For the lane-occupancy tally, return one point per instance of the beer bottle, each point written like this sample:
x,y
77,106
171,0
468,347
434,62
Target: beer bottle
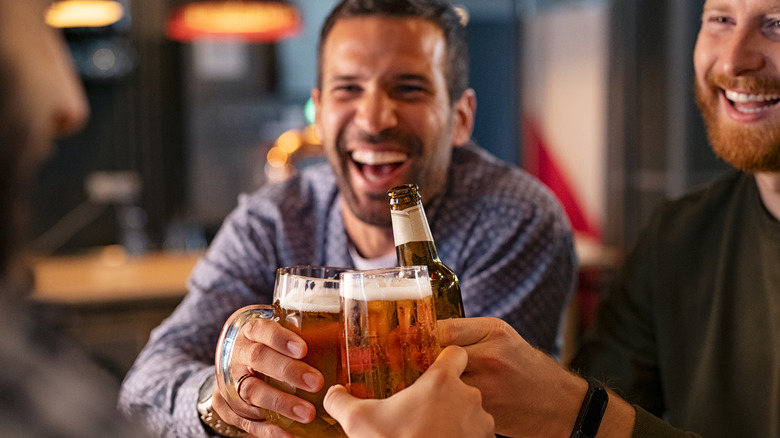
x,y
414,246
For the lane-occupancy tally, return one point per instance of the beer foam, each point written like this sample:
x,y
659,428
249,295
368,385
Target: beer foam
x,y
311,300
385,289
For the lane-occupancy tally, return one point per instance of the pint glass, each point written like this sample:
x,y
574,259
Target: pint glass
x,y
306,301
388,329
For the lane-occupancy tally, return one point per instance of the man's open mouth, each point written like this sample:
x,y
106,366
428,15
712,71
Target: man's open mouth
x,y
751,103
375,165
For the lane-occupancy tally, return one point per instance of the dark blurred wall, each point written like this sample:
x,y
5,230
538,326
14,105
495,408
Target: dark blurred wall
x,y
657,143
133,83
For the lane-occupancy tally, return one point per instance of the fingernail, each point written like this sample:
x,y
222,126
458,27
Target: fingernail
x,y
304,413
294,348
312,381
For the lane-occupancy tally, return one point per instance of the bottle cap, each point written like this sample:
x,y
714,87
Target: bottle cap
x,y
404,194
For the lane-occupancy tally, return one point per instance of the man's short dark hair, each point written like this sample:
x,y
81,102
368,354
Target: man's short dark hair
x,y
439,12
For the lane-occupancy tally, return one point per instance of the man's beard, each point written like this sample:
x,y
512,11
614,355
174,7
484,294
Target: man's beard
x,y
378,217
749,148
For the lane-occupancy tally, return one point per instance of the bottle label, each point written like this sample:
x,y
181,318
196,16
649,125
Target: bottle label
x,y
410,225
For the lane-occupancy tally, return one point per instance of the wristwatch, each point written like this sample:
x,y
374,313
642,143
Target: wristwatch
x,y
207,414
591,411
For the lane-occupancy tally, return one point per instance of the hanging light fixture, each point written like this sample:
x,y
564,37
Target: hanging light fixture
x,y
84,13
248,20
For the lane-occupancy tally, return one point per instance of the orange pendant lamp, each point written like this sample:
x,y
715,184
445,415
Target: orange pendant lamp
x,y
262,21
84,13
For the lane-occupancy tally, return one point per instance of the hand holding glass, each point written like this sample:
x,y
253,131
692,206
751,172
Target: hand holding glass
x,y
306,301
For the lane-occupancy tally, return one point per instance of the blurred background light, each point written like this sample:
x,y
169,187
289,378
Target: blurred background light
x,y
248,20
84,13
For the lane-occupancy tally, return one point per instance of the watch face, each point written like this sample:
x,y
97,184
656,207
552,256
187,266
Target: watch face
x,y
207,389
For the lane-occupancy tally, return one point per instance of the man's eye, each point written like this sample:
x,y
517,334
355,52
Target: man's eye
x,y
721,20
347,89
410,90
715,19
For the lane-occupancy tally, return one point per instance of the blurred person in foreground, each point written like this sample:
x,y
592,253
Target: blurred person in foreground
x,y
691,329
393,107
48,387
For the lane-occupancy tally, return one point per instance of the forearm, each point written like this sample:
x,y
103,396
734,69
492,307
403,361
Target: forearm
x,y
160,391
567,398
618,421
161,395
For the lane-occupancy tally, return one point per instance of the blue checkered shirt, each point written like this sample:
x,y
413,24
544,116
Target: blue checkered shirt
x,y
501,231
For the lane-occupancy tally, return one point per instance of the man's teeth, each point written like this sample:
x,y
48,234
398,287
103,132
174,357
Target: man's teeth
x,y
373,158
745,98
751,103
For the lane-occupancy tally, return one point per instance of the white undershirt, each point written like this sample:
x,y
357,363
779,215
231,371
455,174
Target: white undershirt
x,y
385,261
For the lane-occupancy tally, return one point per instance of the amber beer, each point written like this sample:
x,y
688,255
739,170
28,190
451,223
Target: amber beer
x,y
389,329
311,308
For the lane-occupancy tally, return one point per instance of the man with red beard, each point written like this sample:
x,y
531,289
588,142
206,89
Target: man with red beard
x,y
393,107
691,330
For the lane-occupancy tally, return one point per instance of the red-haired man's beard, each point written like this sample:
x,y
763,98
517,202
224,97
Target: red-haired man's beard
x,y
752,147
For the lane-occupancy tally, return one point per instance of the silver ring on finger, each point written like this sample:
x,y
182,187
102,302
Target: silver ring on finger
x,y
238,385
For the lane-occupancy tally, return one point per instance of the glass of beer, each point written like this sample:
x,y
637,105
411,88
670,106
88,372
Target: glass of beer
x,y
388,329
306,301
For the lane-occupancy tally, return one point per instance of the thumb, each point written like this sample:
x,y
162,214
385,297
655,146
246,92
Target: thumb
x,y
338,400
453,359
465,331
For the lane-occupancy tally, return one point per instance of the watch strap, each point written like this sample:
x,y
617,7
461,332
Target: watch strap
x,y
592,410
209,417
212,420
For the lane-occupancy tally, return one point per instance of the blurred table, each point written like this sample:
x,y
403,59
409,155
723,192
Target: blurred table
x,y
109,275
109,301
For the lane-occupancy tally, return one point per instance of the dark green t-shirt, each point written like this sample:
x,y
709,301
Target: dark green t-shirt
x,y
691,329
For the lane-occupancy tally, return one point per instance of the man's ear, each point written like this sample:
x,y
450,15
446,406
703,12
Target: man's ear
x,y
465,110
315,99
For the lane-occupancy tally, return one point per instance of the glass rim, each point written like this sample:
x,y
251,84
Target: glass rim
x,y
306,271
377,271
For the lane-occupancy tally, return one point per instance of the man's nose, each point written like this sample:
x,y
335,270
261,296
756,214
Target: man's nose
x,y
71,114
70,107
745,52
376,112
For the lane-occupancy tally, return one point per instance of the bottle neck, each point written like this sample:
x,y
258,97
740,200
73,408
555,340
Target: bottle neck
x,y
410,225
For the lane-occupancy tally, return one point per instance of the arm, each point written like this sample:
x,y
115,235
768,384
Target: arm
x,y
515,258
438,404
161,389
527,392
